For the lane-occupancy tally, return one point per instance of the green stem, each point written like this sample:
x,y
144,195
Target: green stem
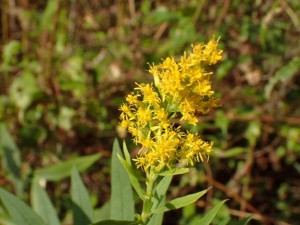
x,y
147,204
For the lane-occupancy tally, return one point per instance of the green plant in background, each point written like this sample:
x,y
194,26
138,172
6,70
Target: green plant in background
x,y
153,113
14,211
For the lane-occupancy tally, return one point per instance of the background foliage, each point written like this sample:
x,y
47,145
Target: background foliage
x,y
67,65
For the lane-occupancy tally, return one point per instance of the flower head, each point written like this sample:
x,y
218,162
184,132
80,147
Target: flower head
x,y
183,89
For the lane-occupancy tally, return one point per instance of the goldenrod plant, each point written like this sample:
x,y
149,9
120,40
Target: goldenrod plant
x,y
154,114
181,91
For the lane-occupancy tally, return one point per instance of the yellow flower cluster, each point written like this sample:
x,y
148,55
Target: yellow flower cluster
x,y
186,83
182,90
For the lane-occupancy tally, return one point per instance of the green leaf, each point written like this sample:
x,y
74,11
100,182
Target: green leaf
x,y
180,202
64,119
48,14
209,216
163,186
223,216
12,158
233,152
116,222
103,212
134,177
157,218
10,50
253,132
224,68
159,201
62,170
121,202
244,221
5,220
82,209
160,15
42,205
23,89
174,171
222,121
283,74
21,213
126,153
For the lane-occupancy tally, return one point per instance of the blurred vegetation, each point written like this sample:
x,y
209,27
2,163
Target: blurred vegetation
x,y
66,66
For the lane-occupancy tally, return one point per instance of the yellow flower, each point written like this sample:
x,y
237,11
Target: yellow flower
x,y
134,131
187,82
125,109
188,112
194,149
149,95
144,116
125,123
147,143
211,52
132,99
183,89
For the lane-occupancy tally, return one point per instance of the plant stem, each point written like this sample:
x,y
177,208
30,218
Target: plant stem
x,y
147,204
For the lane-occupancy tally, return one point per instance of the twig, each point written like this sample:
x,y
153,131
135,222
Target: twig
x,y
132,12
198,11
209,174
253,216
72,18
263,118
240,200
221,17
4,21
160,30
289,11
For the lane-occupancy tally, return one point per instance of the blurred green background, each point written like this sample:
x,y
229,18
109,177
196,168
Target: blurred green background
x,y
66,66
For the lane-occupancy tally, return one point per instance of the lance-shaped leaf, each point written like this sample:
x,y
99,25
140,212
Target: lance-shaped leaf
x,y
42,205
210,215
63,169
244,221
21,213
126,153
159,199
103,212
82,209
180,202
174,171
121,201
133,176
284,74
12,158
